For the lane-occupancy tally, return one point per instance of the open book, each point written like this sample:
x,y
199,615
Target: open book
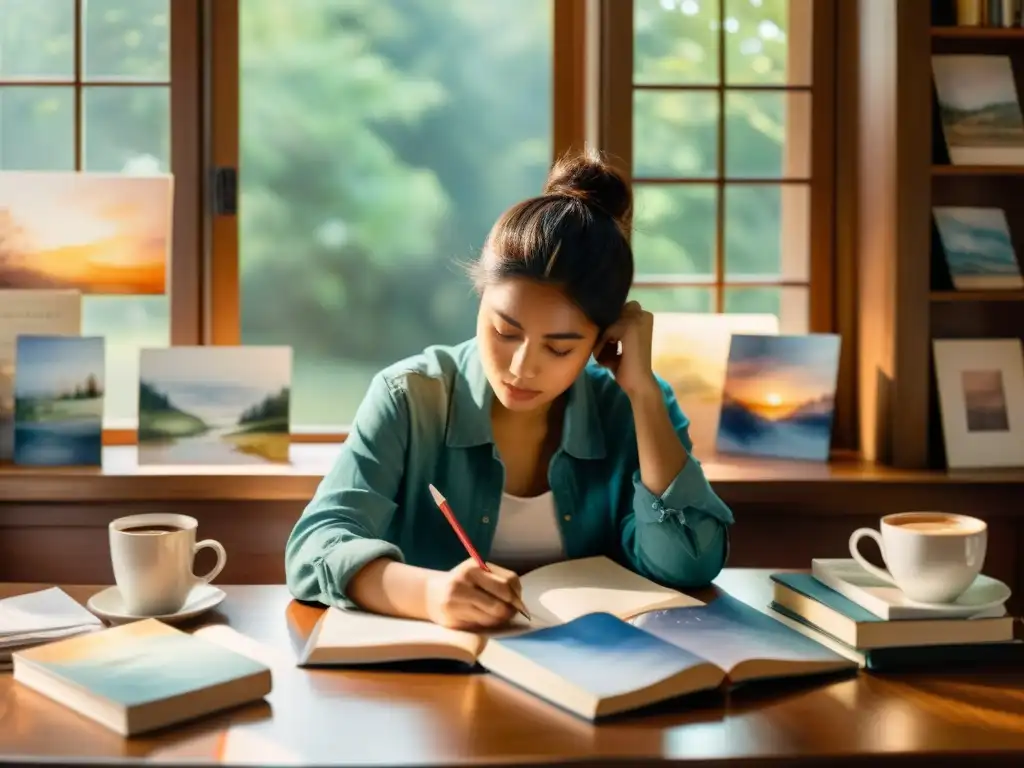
x,y
603,640
553,595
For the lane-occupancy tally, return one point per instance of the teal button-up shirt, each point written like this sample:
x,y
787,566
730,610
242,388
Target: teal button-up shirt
x,y
427,419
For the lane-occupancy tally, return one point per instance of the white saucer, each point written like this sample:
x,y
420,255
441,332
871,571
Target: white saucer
x,y
109,606
984,594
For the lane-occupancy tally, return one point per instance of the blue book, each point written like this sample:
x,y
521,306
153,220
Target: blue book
x,y
599,665
141,676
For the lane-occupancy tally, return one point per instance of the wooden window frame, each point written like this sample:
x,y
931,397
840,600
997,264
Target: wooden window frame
x,y
186,140
611,129
592,106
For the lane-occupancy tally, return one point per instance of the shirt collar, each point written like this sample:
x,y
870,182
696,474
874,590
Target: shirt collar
x,y
469,418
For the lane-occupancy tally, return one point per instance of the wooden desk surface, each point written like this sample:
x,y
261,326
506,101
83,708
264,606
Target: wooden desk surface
x,y
364,718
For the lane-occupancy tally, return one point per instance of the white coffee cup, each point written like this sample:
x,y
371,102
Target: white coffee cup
x,y
933,557
152,556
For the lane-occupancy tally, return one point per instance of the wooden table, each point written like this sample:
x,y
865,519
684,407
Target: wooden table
x,y
376,718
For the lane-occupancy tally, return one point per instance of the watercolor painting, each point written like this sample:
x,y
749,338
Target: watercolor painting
x,y
29,313
978,248
600,654
97,233
58,401
214,405
985,401
979,110
741,640
980,385
779,396
690,352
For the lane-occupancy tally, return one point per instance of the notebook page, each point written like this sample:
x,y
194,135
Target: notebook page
x,y
41,611
564,591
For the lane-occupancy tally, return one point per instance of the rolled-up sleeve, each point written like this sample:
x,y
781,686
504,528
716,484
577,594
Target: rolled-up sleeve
x,y
681,537
343,526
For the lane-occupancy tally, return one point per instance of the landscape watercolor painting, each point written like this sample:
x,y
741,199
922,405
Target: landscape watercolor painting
x,y
690,351
215,405
979,110
978,248
97,233
58,401
779,396
985,401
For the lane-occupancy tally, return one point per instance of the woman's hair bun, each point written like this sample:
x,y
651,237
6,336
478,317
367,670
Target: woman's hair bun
x,y
587,177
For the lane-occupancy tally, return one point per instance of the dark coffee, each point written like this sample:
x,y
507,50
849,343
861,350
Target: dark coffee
x,y
151,529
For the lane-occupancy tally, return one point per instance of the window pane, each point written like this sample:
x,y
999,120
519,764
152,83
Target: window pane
x,y
37,39
676,42
789,304
126,39
767,232
767,135
658,299
129,323
378,147
674,229
126,128
37,129
768,42
675,134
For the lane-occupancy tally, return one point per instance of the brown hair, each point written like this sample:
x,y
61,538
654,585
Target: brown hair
x,y
573,235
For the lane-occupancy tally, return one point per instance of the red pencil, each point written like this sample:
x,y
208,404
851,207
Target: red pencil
x,y
442,504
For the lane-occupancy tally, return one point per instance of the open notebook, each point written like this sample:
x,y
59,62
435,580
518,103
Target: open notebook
x,y
553,595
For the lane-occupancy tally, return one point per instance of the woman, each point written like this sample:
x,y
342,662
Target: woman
x,y
543,453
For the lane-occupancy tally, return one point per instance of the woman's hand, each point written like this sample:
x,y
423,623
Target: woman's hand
x,y
625,349
468,597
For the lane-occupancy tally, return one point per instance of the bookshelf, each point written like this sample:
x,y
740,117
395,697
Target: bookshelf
x,y
905,296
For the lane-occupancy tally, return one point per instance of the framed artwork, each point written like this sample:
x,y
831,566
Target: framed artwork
x,y
215,405
978,247
690,352
981,399
779,396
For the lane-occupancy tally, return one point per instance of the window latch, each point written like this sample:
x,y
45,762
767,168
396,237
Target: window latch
x,y
225,191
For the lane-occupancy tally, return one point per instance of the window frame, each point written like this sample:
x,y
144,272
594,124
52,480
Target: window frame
x,y
184,83
592,106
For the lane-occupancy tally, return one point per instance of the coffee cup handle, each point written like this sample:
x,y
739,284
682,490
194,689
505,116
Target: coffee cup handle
x,y
222,558
874,570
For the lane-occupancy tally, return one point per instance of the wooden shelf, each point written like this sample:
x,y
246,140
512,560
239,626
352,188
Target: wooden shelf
x,y
977,295
978,33
737,478
978,170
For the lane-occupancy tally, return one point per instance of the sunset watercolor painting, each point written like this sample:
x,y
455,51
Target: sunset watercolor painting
x,y
98,233
779,396
690,352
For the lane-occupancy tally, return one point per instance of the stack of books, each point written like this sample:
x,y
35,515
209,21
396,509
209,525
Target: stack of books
x,y
870,621
40,617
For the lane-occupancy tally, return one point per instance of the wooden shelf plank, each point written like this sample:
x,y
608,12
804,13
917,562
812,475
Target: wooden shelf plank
x,y
121,479
979,33
1013,295
978,170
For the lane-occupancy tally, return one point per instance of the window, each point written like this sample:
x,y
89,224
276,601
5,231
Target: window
x,y
86,86
726,172
378,142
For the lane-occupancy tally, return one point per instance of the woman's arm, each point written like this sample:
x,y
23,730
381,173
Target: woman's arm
x,y
343,527
674,527
660,449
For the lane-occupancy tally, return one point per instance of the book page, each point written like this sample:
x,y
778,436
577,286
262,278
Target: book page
x,y
342,633
561,592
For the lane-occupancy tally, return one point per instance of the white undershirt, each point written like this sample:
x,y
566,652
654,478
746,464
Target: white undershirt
x,y
527,535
